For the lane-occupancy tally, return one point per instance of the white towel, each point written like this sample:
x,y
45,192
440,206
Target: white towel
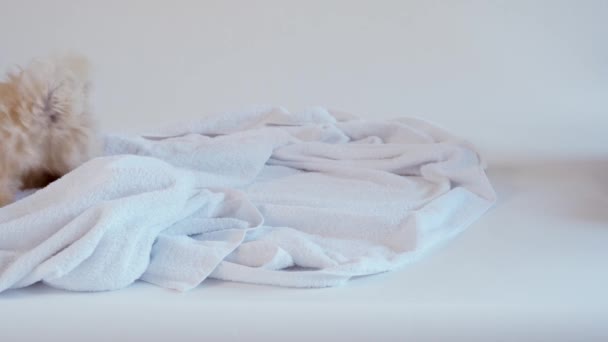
x,y
264,196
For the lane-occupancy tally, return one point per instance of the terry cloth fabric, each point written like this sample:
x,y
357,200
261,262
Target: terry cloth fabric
x,y
309,199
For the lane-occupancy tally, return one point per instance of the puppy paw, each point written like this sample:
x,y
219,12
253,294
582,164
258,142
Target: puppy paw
x,y
8,190
5,198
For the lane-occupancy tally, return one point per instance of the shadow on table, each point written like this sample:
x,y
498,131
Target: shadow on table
x,y
573,190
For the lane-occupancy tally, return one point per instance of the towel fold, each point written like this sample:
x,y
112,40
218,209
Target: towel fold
x,y
309,199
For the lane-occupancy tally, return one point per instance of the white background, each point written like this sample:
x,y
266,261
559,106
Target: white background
x,y
520,79
525,79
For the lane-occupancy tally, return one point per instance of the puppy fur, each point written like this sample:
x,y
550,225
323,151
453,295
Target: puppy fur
x,y
46,129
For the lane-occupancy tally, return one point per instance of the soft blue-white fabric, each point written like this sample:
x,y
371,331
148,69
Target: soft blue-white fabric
x,y
308,199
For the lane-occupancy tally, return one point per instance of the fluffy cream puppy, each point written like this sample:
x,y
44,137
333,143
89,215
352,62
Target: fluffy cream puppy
x,y
46,129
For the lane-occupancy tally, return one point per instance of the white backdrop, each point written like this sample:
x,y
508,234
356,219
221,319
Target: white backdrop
x,y
518,78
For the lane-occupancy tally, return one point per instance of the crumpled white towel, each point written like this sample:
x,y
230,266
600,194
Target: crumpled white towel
x,y
264,196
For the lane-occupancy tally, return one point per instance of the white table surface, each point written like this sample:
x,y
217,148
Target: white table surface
x,y
532,269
